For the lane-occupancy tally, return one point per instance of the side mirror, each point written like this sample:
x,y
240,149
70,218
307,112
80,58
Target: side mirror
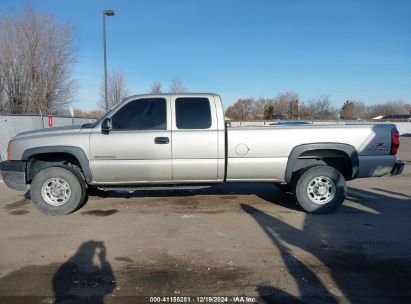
x,y
106,125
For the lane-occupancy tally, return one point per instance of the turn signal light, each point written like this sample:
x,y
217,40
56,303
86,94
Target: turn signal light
x,y
9,150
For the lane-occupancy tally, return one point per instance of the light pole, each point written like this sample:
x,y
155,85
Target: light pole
x,y
105,13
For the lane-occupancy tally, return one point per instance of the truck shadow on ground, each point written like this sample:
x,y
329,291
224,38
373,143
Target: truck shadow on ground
x,y
369,265
229,191
363,267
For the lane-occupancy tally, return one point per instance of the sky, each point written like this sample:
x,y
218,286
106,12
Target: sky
x,y
348,49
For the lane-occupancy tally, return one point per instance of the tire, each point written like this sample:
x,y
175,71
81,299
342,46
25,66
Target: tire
x,y
58,190
319,189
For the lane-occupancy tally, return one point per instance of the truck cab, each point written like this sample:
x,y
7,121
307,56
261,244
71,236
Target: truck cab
x,y
164,138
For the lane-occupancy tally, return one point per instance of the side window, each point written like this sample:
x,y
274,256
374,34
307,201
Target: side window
x,y
193,113
141,114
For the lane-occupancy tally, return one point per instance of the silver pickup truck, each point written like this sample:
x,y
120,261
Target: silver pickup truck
x,y
170,139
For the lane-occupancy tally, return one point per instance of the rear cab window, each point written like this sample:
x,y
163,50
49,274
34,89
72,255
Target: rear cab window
x,y
193,113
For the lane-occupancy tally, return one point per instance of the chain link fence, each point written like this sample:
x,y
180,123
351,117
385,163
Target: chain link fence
x,y
10,125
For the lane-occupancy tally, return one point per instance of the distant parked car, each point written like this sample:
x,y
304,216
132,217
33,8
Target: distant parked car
x,y
278,117
397,116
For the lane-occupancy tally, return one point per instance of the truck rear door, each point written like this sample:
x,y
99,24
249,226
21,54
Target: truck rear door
x,y
194,138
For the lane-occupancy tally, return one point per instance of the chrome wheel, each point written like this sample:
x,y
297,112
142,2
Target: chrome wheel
x,y
56,191
321,190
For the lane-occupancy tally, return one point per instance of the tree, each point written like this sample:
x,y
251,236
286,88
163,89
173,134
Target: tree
x,y
268,111
259,107
347,110
90,114
36,57
293,111
241,110
282,103
387,108
155,88
116,89
352,109
2,97
320,107
307,110
177,86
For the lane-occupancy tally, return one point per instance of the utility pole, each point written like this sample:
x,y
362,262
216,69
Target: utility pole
x,y
105,13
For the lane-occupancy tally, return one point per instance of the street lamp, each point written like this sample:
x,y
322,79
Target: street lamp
x,y
105,13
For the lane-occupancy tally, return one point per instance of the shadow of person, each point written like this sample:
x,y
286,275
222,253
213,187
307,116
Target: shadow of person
x,y
86,277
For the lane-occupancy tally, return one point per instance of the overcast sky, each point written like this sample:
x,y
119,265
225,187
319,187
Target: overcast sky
x,y
348,49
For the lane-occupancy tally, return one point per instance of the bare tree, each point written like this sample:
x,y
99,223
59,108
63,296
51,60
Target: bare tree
x,y
117,89
241,110
320,107
282,103
36,57
2,96
387,108
90,114
177,86
155,88
260,107
307,110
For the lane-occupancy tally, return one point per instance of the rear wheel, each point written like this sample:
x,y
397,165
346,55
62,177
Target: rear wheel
x,y
319,189
58,190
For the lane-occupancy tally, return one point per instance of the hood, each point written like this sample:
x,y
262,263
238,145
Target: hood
x,y
49,131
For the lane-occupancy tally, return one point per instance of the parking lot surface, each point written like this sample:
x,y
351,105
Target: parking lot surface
x,y
227,240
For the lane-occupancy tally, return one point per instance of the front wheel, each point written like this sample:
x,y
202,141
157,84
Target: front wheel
x,y
58,190
319,189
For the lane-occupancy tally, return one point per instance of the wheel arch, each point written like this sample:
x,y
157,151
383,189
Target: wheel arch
x,y
312,154
57,154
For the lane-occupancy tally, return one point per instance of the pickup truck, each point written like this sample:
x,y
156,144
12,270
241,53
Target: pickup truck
x,y
169,139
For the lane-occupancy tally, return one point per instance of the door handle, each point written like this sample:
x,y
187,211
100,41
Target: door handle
x,y
161,140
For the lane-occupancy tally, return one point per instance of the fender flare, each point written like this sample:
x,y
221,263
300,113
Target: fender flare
x,y
298,150
77,152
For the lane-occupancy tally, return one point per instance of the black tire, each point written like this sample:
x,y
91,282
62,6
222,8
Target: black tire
x,y
333,177
72,176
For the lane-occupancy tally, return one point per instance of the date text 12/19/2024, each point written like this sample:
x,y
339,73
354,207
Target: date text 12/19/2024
x,y
203,299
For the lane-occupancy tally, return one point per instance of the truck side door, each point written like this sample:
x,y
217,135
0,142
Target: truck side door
x,y
194,139
138,147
